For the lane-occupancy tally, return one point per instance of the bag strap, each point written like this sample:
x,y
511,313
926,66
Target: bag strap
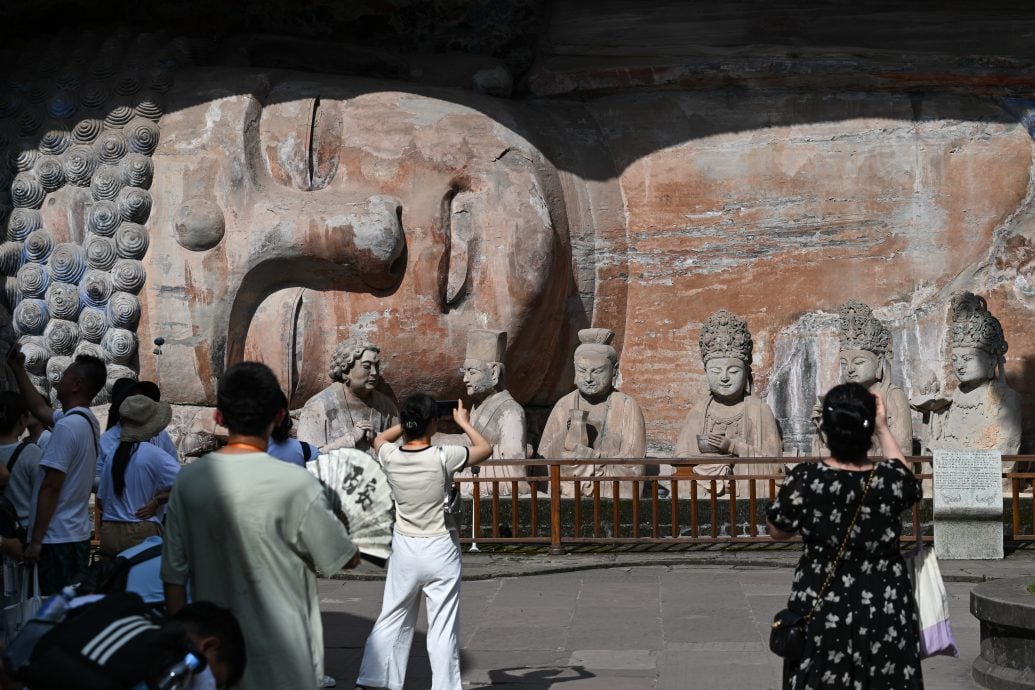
x,y
15,454
447,486
307,451
145,555
841,549
93,432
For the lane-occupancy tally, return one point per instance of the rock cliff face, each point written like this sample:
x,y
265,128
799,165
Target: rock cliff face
x,y
642,166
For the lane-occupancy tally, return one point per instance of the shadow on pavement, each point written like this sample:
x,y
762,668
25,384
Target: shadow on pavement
x,y
536,678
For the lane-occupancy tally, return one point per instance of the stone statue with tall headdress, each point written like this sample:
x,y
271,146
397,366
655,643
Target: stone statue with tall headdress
x,y
984,412
596,420
351,411
865,350
731,421
494,412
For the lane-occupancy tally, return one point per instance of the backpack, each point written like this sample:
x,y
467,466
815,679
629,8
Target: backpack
x,y
109,576
10,526
111,644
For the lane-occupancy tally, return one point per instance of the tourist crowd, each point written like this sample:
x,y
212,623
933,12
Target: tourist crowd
x,y
229,546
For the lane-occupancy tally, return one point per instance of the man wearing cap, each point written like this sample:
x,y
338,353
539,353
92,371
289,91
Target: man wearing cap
x,y
494,413
136,481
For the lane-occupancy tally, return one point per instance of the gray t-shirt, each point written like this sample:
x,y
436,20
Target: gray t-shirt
x,y
19,489
72,450
418,486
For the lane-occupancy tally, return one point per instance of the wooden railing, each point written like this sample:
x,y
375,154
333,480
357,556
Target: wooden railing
x,y
673,505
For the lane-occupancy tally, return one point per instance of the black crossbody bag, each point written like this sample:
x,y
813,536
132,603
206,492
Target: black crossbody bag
x,y
787,636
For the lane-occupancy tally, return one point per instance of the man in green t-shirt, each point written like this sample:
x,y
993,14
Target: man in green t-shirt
x,y
251,532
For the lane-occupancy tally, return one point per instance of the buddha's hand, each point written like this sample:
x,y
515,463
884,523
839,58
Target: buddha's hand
x,y
720,442
817,413
363,431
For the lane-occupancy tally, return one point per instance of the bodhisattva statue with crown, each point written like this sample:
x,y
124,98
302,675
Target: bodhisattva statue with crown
x,y
350,412
865,347
494,413
596,420
984,412
730,421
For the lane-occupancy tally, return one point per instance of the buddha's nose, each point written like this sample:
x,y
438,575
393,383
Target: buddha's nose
x,y
365,237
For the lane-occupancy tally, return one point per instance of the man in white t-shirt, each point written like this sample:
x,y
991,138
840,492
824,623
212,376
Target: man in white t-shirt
x,y
59,529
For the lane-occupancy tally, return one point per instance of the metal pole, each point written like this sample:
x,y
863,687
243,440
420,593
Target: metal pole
x,y
474,506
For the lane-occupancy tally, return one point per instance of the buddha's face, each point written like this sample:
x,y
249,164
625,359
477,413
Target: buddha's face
x,y
859,366
309,210
727,378
972,365
364,375
594,374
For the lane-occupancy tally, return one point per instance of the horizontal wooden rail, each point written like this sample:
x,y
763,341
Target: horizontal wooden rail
x,y
670,504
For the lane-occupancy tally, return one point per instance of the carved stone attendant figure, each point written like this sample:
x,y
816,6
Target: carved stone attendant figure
x,y
865,344
731,421
350,412
596,420
494,413
984,412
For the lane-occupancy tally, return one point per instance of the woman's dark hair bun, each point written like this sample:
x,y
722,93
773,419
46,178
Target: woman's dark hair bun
x,y
416,414
849,419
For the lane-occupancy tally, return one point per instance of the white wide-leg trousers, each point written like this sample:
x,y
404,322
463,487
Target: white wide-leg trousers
x,y
418,564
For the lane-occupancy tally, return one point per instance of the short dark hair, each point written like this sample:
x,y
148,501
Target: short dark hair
x,y
207,619
417,412
849,418
249,398
12,407
92,372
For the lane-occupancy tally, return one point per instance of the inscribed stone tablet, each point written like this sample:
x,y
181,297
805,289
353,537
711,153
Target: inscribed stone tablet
x,y
968,504
967,482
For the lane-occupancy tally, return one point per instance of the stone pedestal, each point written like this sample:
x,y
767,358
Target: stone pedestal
x,y
1006,611
968,506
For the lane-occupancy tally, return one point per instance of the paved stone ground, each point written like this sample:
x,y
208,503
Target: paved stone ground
x,y
621,628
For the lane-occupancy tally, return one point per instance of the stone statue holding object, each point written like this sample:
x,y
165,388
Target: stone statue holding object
x,y
350,412
984,412
865,345
731,421
494,412
596,420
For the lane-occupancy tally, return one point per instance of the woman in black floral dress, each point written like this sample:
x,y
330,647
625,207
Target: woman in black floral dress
x,y
864,634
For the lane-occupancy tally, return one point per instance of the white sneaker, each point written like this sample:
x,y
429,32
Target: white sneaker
x,y
328,682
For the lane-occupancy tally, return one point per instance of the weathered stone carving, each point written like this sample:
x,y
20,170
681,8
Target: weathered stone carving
x,y
326,200
350,412
865,346
984,412
730,421
595,420
88,131
494,412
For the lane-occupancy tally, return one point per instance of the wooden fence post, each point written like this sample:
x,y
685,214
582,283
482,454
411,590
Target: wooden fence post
x,y
555,511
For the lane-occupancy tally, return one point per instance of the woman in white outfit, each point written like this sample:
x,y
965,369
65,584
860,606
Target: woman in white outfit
x,y
425,555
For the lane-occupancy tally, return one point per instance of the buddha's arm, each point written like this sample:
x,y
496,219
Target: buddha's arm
x,y
511,443
551,444
1008,422
901,421
766,442
633,430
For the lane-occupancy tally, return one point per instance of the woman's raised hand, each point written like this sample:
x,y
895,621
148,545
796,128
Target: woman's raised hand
x,y
460,414
882,411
